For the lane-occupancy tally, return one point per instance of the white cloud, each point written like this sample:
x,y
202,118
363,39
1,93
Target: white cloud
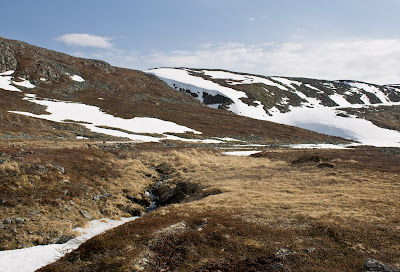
x,y
252,19
86,40
375,61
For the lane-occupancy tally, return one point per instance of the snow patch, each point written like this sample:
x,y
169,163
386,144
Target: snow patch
x,y
287,82
5,82
312,114
77,78
318,146
96,120
340,100
326,121
32,258
24,83
7,73
240,153
242,79
372,89
178,78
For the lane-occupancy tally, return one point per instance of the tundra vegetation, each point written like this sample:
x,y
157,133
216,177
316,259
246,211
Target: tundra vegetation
x,y
281,209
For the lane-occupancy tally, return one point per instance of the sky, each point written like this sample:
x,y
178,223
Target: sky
x,y
324,39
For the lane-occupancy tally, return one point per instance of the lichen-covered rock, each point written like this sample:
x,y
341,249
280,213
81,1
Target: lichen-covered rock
x,y
86,214
19,220
7,58
372,265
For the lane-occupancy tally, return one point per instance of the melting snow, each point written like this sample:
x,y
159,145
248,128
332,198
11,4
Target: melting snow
x,y
326,121
182,79
242,79
77,78
314,88
311,115
7,73
371,89
32,258
318,146
240,153
24,83
94,117
340,100
287,82
97,121
5,82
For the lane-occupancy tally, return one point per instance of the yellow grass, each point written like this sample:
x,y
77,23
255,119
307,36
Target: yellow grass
x,y
276,190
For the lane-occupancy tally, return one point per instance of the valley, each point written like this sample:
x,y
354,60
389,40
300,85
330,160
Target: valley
x,y
246,172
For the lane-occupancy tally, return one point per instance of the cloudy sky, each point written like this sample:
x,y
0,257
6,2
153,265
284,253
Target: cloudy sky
x,y
342,39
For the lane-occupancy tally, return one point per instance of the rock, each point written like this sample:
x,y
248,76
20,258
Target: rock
x,y
276,266
19,220
8,221
65,238
7,58
43,169
372,265
283,253
104,196
60,168
85,214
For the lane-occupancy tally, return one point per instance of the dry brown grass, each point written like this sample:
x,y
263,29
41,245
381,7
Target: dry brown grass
x,y
33,188
331,218
281,191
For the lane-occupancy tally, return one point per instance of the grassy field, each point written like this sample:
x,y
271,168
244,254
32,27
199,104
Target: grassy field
x,y
285,210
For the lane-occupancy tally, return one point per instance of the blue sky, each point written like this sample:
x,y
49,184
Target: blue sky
x,y
342,39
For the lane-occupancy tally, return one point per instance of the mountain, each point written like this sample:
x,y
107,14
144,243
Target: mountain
x,y
74,98
85,145
338,108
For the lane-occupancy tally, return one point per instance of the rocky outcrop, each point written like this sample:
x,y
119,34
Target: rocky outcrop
x,y
7,57
209,99
372,265
35,63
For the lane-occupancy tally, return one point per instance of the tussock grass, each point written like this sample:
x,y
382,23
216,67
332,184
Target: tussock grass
x,y
329,219
33,187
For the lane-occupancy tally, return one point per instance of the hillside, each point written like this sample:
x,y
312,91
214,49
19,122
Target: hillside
x,y
86,147
339,108
35,80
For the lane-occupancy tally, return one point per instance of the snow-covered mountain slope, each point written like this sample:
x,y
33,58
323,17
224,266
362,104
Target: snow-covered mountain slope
x,y
49,95
307,103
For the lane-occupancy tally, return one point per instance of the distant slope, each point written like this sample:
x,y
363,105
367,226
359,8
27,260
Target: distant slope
x,y
47,85
313,104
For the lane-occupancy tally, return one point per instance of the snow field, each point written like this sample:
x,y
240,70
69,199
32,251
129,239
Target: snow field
x,y
311,115
97,121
